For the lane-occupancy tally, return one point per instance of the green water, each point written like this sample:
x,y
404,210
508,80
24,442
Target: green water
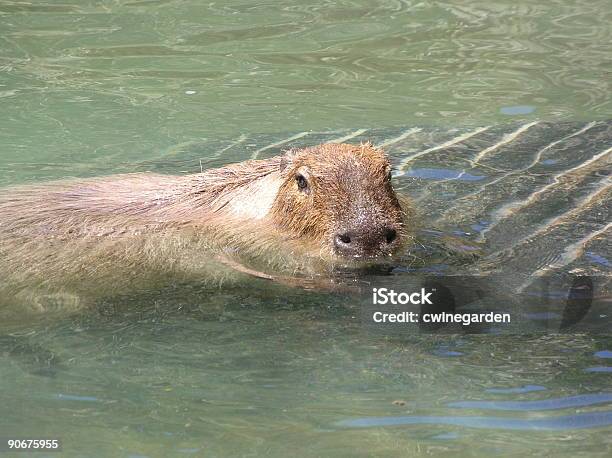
x,y
97,87
108,81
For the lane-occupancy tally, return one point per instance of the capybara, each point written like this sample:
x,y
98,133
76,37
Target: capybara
x,y
304,211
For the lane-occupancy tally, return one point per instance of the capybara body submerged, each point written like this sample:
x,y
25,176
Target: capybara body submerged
x,y
304,211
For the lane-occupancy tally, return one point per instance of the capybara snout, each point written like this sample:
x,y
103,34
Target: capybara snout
x,y
366,241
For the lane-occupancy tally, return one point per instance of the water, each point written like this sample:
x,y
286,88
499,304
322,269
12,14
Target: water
x,y
91,88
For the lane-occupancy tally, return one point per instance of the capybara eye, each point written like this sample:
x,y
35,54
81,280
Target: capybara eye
x,y
301,182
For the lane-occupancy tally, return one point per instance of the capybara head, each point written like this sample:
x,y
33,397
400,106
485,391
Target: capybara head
x,y
341,196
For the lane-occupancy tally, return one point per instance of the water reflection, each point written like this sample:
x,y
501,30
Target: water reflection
x,y
565,422
582,400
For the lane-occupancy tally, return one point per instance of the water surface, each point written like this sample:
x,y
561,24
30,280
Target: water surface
x,y
98,87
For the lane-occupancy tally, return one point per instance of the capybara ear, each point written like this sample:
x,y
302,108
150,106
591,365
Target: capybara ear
x,y
286,160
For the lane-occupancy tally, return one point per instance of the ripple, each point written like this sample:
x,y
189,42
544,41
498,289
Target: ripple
x,y
561,423
39,7
442,174
607,369
598,259
73,397
517,110
582,400
519,390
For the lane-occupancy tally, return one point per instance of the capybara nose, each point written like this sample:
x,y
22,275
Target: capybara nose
x,y
390,234
367,242
344,243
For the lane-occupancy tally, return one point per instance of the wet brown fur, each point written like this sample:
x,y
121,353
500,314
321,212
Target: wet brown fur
x,y
98,236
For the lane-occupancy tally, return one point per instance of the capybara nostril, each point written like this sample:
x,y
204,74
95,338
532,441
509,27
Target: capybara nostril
x,y
346,244
343,239
390,234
